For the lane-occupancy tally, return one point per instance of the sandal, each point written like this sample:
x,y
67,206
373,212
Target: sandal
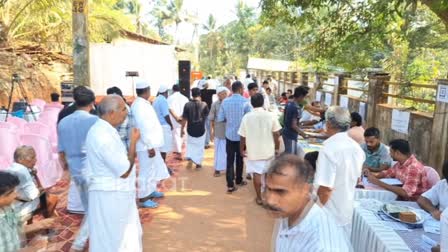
x,y
259,202
243,183
231,190
216,174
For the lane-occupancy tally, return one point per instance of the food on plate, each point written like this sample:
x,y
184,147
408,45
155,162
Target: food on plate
x,y
391,208
408,217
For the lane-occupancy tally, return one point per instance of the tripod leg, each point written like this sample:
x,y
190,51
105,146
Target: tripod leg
x,y
10,99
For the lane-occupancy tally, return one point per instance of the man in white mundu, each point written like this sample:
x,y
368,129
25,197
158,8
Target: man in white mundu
x,y
113,218
176,103
152,167
259,132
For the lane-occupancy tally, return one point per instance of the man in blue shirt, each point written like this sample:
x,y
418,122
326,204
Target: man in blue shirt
x,y
291,119
377,154
232,111
161,107
72,133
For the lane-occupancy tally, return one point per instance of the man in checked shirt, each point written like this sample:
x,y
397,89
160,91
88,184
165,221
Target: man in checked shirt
x,y
407,169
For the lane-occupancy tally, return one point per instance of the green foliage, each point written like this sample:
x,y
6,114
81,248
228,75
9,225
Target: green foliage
x,y
49,23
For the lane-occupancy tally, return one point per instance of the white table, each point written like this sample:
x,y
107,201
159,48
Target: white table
x,y
370,235
378,194
372,191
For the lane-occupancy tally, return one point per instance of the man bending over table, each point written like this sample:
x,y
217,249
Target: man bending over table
x,y
435,200
407,169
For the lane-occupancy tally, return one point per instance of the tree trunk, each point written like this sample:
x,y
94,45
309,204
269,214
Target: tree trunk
x,y
3,34
439,8
81,68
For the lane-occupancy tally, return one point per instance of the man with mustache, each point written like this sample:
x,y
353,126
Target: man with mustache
x,y
377,154
302,225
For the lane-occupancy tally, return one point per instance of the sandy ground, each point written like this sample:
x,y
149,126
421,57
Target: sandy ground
x,y
198,215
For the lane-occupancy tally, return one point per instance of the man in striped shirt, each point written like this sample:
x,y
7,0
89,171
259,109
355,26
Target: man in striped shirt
x,y
302,225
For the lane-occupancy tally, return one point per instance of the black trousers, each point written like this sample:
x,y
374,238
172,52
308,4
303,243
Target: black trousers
x,y
234,157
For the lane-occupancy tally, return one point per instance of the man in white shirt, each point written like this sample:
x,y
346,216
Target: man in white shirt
x,y
435,200
247,81
176,103
114,222
302,225
152,167
267,103
261,142
444,231
29,196
338,167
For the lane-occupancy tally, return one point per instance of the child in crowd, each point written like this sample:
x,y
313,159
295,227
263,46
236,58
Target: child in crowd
x,y
10,225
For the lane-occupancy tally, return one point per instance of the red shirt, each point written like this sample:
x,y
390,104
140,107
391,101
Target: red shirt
x,y
283,100
412,174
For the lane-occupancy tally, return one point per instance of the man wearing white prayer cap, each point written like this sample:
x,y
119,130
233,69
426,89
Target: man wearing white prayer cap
x,y
176,102
163,113
152,167
218,132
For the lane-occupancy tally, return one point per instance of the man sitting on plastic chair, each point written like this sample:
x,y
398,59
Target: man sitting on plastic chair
x,y
31,198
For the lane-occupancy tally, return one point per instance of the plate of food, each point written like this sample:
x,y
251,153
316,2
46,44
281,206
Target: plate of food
x,y
402,213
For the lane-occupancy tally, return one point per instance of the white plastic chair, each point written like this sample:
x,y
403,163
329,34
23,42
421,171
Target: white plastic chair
x,y
432,175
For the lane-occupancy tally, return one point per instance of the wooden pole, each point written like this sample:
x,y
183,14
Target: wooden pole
x,y
439,134
81,69
375,96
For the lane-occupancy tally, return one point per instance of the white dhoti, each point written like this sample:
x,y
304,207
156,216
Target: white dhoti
x,y
177,139
152,171
168,139
220,154
114,222
25,209
195,148
257,166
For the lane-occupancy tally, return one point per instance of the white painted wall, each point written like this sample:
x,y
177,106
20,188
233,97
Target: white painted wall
x,y
109,63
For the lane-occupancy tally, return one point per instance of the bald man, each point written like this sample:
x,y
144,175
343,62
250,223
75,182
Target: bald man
x,y
114,222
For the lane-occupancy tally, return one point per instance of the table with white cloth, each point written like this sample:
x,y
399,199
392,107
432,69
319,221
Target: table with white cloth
x,y
371,191
304,146
371,234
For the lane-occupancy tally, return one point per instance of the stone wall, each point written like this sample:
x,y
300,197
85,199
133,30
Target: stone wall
x,y
39,79
419,136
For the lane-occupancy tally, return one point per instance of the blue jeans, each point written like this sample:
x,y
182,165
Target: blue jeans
x,y
290,145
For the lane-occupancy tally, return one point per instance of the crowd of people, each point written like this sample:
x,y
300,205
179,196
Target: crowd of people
x,y
312,197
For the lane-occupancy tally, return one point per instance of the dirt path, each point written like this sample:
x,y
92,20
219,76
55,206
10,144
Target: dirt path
x,y
202,217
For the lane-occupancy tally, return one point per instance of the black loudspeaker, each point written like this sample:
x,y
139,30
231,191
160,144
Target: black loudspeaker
x,y
184,77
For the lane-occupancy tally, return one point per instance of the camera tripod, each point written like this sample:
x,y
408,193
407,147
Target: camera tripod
x,y
16,80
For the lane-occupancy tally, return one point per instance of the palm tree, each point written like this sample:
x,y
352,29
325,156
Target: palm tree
x,y
210,26
14,15
135,9
177,16
169,13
